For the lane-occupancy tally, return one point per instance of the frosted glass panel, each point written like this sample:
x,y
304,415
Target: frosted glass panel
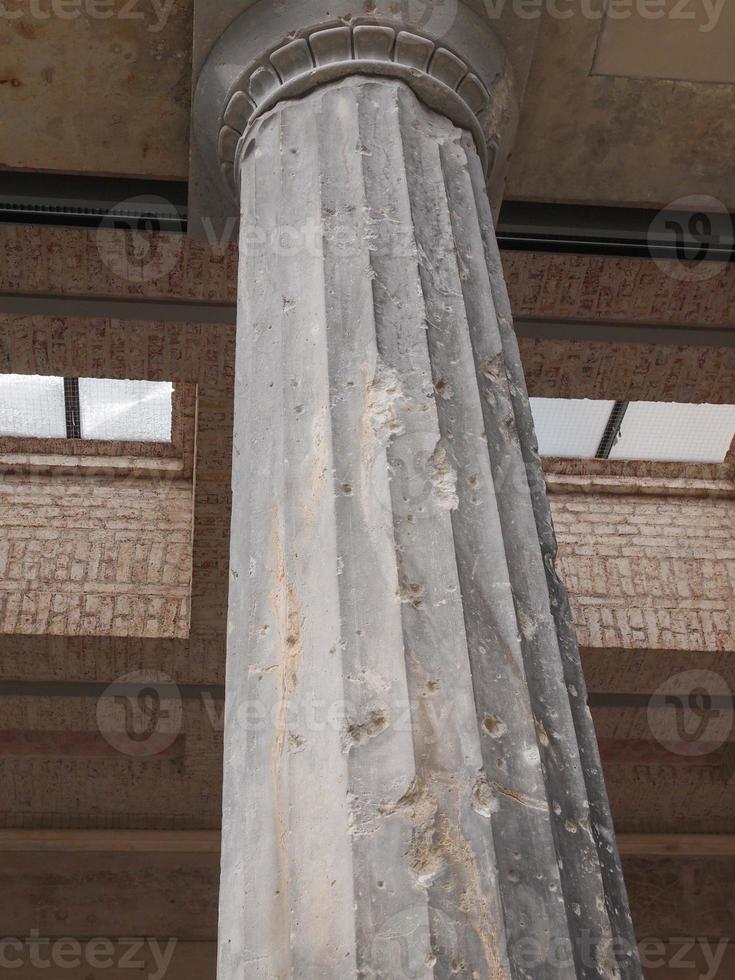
x,y
668,431
32,406
133,411
571,427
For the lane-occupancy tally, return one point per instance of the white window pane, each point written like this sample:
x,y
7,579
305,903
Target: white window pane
x,y
32,406
131,411
682,433
570,426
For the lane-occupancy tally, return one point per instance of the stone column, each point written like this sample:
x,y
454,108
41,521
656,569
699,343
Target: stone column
x,y
411,781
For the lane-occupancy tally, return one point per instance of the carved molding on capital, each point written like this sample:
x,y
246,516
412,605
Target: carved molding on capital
x,y
283,49
438,76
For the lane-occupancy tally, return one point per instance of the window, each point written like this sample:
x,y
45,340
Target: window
x,y
85,408
619,430
570,426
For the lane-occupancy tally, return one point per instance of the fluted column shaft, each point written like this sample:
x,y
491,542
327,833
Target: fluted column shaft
x,y
404,790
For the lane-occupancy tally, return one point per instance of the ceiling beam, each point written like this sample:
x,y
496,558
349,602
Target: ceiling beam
x,y
166,311
111,841
208,842
676,845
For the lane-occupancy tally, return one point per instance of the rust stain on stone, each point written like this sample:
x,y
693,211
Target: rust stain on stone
x,y
291,649
290,642
26,30
474,904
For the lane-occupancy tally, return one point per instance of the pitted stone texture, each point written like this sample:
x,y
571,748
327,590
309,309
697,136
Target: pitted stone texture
x,y
416,781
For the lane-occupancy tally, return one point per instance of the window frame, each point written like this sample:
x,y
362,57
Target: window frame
x,y
177,456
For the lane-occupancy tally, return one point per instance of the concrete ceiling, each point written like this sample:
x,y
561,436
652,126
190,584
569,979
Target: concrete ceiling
x,y
618,111
631,112
696,50
97,96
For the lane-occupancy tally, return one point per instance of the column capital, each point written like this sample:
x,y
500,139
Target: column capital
x,y
451,56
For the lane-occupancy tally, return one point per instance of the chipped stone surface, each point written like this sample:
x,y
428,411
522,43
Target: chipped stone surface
x,y
401,575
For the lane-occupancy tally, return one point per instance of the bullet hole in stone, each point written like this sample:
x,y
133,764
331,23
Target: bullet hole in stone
x,y
570,827
472,481
491,369
513,875
381,884
299,410
295,742
484,801
371,727
432,686
347,489
291,640
494,726
412,593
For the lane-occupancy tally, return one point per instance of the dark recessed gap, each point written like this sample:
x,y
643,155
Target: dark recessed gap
x,y
72,408
77,200
612,430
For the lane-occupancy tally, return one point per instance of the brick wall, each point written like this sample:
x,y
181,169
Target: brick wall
x,y
95,555
654,573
